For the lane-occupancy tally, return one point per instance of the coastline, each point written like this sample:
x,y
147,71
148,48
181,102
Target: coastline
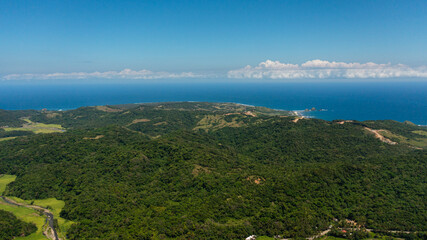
x,y
350,101
325,114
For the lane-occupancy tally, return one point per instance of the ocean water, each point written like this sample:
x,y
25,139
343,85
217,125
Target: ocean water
x,y
359,101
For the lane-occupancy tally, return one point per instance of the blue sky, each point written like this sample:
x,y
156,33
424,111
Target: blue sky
x,y
211,38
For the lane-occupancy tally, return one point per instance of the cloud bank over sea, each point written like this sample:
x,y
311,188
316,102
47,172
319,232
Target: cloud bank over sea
x,y
324,69
124,74
314,69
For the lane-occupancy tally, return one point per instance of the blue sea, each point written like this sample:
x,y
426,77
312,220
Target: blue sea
x,y
350,100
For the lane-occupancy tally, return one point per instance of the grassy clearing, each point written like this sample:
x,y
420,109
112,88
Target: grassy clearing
x,y
332,238
420,142
54,205
7,138
37,127
420,132
215,122
108,109
4,180
264,238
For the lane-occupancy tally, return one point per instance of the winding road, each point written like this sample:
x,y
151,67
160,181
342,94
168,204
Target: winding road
x,y
49,215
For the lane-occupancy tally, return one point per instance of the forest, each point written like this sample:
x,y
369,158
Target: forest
x,y
217,171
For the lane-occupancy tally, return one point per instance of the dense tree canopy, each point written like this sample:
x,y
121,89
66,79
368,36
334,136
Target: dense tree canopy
x,y
201,171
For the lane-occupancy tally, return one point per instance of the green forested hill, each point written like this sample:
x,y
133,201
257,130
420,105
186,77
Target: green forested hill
x,y
219,171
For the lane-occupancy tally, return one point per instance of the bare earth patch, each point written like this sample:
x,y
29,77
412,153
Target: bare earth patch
x,y
97,137
140,120
297,119
249,113
199,169
342,122
160,123
255,179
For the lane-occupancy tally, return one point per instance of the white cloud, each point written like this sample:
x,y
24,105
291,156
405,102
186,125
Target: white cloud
x,y
124,74
325,69
314,69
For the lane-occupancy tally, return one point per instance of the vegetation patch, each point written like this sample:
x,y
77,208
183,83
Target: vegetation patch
x,y
199,169
420,132
418,142
12,227
4,180
53,115
25,214
29,216
36,127
7,138
32,215
53,205
108,109
265,238
215,122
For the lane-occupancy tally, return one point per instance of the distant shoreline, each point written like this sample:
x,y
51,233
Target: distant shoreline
x,y
350,101
299,113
